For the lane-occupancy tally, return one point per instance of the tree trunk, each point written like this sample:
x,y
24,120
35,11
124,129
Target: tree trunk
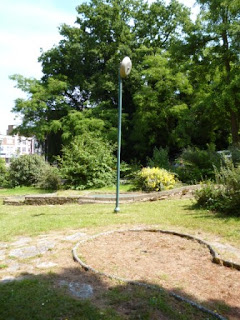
x,y
235,129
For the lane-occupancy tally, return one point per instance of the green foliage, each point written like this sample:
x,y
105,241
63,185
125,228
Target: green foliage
x,y
196,165
33,170
50,180
235,155
224,194
26,170
160,103
154,179
3,171
183,89
159,159
128,171
88,162
82,72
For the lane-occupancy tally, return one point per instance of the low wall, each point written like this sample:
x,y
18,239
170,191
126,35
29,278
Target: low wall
x,y
51,199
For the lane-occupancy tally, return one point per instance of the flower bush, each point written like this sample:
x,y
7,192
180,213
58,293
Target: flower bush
x,y
154,179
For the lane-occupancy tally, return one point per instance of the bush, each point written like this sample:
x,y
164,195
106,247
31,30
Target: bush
x,y
88,162
195,165
51,179
235,155
26,170
3,172
129,171
224,194
154,179
159,159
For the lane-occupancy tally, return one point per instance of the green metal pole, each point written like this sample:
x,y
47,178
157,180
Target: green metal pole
x,y
117,209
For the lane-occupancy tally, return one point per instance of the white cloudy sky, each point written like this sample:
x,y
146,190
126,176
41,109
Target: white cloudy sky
x,y
25,27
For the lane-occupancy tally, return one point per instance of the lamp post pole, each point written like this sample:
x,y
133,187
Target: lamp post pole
x,y
124,71
117,209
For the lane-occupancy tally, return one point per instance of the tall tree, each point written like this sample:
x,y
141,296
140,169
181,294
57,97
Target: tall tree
x,y
160,105
81,72
221,39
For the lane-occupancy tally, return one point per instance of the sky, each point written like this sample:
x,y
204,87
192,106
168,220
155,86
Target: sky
x,y
26,27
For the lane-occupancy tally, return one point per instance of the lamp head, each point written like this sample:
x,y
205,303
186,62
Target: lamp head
x,y
125,67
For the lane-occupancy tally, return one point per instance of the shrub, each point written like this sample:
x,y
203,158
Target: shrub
x,y
3,172
26,170
235,155
195,165
50,179
159,159
224,194
154,179
88,162
129,171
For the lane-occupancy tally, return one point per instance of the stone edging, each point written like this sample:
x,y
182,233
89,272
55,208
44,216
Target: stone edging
x,y
52,199
215,259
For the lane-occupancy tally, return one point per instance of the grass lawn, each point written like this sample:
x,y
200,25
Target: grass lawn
x,y
37,299
41,299
110,189
19,191
172,214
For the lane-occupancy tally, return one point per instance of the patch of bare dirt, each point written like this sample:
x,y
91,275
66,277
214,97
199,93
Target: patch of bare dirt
x,y
174,263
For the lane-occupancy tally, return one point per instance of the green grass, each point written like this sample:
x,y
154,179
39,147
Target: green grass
x,y
39,299
172,214
152,304
35,299
109,189
19,191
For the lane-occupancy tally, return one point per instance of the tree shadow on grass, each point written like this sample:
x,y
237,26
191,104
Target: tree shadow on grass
x,y
58,296
199,212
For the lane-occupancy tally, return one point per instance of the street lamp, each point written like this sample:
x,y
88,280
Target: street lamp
x,y
124,71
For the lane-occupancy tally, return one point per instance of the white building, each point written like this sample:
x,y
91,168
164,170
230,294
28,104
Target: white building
x,y
14,146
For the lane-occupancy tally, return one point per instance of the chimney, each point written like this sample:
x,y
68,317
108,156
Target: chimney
x,y
10,129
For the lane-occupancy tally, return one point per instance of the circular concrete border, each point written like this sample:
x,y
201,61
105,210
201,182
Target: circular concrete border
x,y
215,259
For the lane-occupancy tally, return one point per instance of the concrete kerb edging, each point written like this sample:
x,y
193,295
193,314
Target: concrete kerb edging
x,y
215,259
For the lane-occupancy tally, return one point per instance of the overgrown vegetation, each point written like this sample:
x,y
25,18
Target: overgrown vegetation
x,y
196,165
222,195
51,179
160,159
32,170
3,172
26,170
88,162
